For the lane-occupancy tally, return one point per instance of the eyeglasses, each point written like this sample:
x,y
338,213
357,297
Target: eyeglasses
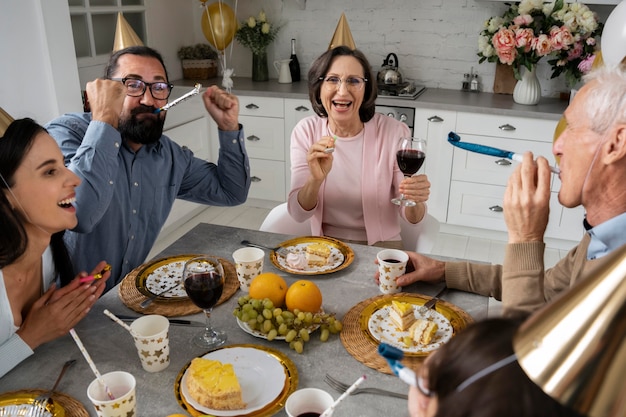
x,y
136,88
332,82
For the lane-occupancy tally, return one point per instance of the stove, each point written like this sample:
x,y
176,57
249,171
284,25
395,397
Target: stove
x,y
406,90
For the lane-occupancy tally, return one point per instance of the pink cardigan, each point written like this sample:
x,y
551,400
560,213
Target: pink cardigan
x,y
380,174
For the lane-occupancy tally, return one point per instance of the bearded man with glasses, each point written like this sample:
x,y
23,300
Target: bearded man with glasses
x,y
131,173
343,159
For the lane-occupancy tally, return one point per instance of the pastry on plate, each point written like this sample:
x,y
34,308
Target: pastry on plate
x,y
317,254
214,385
402,315
422,331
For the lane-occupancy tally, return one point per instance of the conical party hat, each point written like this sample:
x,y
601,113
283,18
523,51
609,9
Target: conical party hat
x,y
342,35
5,121
125,36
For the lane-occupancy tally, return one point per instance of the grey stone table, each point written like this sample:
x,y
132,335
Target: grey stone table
x,y
112,348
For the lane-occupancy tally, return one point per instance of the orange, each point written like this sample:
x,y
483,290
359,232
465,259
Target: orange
x,y
269,285
305,296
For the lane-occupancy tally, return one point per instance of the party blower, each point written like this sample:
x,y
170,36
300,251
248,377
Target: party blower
x,y
455,140
394,356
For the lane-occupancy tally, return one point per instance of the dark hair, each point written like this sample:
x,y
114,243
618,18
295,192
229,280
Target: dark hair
x,y
505,392
14,145
146,51
319,68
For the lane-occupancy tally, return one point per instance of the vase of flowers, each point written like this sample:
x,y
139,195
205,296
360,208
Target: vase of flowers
x,y
566,34
527,90
257,33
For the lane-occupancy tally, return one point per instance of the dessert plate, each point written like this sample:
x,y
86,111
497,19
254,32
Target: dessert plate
x,y
21,404
267,377
382,329
341,255
161,274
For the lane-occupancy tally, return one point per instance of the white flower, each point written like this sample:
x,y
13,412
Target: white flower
x,y
251,21
262,17
485,47
494,24
265,28
526,6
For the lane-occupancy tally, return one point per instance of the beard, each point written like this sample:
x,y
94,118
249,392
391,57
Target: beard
x,y
146,131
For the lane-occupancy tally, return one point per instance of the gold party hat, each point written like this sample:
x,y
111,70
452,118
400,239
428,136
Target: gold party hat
x,y
5,121
342,35
125,36
575,347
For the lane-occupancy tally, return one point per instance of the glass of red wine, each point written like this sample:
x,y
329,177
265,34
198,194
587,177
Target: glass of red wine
x,y
203,277
410,156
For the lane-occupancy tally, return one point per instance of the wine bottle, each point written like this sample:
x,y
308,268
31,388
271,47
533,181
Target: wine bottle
x,y
294,65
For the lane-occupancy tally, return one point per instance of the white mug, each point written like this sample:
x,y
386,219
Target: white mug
x,y
282,68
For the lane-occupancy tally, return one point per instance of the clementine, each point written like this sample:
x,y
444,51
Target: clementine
x,y
305,296
269,285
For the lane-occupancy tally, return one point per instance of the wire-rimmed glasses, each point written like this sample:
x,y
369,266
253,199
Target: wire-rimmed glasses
x,y
333,82
160,90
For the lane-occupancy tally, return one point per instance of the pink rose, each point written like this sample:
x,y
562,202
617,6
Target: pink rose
x,y
504,44
524,19
541,45
575,52
585,65
560,38
524,38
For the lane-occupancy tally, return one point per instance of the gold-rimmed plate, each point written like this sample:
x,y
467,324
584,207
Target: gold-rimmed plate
x,y
20,403
374,321
267,377
161,274
341,255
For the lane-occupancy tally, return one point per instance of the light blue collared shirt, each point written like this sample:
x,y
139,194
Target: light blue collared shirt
x,y
607,237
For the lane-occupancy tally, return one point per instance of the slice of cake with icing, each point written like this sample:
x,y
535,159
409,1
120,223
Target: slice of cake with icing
x,y
214,385
402,314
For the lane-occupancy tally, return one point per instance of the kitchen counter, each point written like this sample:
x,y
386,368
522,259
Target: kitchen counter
x,y
432,98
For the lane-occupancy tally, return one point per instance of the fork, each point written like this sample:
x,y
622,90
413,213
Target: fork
x,y
342,387
278,249
39,404
145,303
433,301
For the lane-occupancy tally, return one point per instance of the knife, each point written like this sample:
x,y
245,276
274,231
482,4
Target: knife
x,y
179,322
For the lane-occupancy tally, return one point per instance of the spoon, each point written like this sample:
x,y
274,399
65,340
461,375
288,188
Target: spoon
x,y
41,401
278,249
147,302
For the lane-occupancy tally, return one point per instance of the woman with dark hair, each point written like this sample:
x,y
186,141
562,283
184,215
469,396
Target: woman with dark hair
x,y
39,299
476,374
351,202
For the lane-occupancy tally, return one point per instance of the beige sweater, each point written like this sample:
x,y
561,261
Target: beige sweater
x,y
522,283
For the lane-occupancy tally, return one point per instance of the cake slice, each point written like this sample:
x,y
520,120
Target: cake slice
x,y
214,385
422,331
317,254
402,315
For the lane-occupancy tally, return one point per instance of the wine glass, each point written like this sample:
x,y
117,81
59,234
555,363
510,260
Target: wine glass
x,y
203,278
410,155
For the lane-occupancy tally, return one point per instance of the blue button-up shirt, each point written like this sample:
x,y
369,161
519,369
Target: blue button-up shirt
x,y
126,196
607,237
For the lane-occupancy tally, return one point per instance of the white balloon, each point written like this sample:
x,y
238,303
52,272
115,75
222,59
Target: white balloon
x,y
613,44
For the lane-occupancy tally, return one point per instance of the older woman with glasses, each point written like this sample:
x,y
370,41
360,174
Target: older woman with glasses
x,y
343,159
476,374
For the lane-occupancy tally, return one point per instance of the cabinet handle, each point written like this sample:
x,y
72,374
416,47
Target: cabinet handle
x,y
253,138
302,108
503,162
507,128
251,106
254,178
496,209
435,119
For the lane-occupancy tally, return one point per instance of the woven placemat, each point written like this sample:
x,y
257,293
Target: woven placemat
x,y
71,406
131,297
365,349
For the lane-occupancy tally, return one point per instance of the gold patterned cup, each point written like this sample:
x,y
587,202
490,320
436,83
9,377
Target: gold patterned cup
x,y
391,264
122,386
249,264
308,401
152,341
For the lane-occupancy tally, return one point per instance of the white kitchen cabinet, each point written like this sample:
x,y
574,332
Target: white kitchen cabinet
x,y
295,110
434,127
187,125
478,181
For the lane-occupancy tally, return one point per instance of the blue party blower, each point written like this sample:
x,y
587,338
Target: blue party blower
x,y
394,356
455,140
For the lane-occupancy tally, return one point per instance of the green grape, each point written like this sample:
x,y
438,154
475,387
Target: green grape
x,y
308,318
304,334
267,326
271,335
288,315
242,300
338,326
244,317
252,324
268,304
291,334
324,334
277,312
268,314
247,307
255,303
260,318
301,315
298,346
279,319
283,329
297,322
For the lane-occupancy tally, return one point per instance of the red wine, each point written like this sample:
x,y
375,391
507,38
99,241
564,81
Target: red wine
x,y
410,160
204,288
309,415
391,261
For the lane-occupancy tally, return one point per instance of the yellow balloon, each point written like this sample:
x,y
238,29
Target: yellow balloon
x,y
219,25
598,61
560,127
